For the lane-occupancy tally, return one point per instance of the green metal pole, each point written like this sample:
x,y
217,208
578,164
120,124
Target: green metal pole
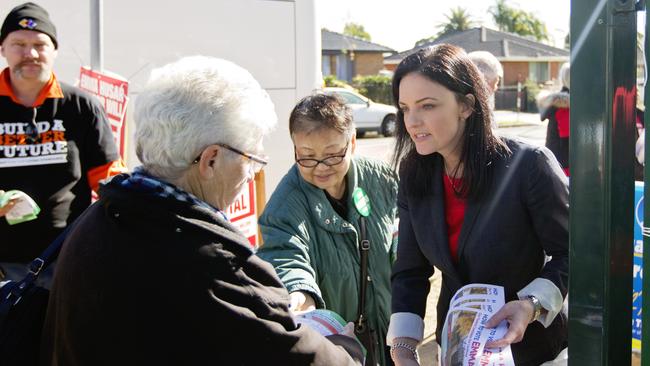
x,y
603,56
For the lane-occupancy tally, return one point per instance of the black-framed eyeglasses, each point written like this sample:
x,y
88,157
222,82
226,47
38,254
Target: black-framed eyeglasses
x,y
329,161
257,162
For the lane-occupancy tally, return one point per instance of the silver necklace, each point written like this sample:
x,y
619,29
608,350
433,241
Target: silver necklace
x,y
451,178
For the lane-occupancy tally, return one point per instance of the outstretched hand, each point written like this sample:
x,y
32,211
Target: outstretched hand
x,y
8,206
301,301
518,314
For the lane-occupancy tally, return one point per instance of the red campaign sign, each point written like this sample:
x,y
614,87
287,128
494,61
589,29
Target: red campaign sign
x,y
112,92
242,213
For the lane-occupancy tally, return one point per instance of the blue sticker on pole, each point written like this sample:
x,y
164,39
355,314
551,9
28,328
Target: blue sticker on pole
x,y
637,269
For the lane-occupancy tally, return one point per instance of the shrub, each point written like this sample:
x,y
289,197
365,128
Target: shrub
x,y
376,87
332,82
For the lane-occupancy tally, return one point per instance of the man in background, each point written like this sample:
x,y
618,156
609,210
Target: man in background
x,y
56,144
492,72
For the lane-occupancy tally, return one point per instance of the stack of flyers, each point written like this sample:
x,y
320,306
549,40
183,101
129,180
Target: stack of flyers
x,y
464,333
323,321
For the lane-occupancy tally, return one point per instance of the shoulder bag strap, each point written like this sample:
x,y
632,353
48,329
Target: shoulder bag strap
x,y
36,266
364,249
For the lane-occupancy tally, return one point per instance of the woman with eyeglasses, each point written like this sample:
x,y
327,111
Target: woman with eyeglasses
x,y
154,273
312,224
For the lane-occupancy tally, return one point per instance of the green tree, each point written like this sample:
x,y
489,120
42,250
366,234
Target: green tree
x,y
513,20
567,41
356,30
457,20
503,15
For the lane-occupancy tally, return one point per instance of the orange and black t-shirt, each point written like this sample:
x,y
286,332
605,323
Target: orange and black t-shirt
x,y
55,151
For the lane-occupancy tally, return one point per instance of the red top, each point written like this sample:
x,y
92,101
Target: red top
x,y
454,214
563,117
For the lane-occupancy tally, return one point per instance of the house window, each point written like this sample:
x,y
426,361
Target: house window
x,y
343,68
329,65
325,67
538,71
338,65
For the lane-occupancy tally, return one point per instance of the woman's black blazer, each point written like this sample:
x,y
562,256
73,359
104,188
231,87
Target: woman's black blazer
x,y
505,239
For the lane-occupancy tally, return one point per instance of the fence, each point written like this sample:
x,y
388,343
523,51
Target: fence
x,y
505,98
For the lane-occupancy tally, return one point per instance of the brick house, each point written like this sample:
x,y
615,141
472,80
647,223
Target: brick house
x,y
347,56
522,59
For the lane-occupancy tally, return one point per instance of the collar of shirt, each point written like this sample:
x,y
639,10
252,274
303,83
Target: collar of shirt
x,y
52,89
140,180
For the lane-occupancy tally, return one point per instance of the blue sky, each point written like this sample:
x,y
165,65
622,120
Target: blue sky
x,y
399,24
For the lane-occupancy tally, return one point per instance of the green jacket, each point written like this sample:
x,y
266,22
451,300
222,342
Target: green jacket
x,y
314,250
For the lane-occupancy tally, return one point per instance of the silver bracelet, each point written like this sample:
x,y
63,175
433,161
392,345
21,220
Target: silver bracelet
x,y
405,346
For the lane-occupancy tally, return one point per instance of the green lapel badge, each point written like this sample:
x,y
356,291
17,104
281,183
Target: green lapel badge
x,y
361,201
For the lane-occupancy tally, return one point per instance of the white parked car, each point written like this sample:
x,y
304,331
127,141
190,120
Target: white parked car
x,y
368,115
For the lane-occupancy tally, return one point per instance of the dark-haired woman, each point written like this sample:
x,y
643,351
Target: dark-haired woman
x,y
480,208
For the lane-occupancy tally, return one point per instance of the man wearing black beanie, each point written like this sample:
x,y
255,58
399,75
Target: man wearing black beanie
x,y
29,16
55,141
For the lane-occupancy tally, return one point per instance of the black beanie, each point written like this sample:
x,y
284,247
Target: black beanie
x,y
28,16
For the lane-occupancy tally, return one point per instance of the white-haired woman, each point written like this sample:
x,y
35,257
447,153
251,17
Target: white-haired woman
x,y
154,273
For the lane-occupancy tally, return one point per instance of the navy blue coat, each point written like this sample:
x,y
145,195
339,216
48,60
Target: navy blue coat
x,y
503,241
148,280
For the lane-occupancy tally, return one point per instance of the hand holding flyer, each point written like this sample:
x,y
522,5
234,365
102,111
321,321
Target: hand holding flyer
x,y
24,207
464,334
323,321
327,322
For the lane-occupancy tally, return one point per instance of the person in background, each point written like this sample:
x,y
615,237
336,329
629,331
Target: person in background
x,y
640,136
492,72
480,208
168,279
555,108
56,144
312,224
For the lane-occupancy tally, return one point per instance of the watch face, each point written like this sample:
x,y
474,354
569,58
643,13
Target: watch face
x,y
537,306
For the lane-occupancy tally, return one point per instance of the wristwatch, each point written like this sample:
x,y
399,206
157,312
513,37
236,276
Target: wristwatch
x,y
537,307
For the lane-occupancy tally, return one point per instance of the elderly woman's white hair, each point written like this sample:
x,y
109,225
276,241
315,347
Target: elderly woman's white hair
x,y
565,75
193,103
